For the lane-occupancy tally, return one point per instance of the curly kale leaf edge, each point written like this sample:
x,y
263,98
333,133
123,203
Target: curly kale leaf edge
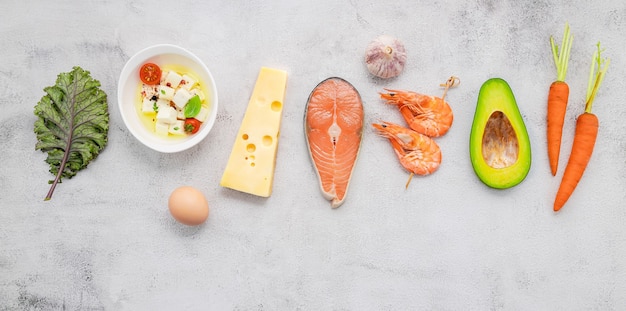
x,y
72,124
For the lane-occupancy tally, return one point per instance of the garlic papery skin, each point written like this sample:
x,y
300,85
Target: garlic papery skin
x,y
385,57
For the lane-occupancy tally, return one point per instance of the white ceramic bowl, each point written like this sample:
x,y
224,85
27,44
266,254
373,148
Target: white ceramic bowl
x,y
127,97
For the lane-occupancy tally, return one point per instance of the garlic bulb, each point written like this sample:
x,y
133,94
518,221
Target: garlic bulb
x,y
385,57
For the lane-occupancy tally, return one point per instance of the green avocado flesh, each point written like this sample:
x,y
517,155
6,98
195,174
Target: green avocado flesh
x,y
499,144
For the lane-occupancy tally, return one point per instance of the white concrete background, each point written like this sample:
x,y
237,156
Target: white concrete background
x,y
107,242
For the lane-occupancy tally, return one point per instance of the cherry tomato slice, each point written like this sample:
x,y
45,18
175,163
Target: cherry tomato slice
x,y
192,125
150,74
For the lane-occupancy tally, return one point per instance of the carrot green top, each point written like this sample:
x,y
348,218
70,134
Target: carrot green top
x,y
596,75
561,58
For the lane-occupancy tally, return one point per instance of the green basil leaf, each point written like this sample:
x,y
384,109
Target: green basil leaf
x,y
193,107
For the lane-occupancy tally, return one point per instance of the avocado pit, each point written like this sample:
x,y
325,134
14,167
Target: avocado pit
x,y
500,145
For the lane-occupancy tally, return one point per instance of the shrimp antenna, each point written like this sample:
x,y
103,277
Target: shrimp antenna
x,y
409,181
451,82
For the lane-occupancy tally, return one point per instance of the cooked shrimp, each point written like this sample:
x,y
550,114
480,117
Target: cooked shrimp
x,y
428,115
418,153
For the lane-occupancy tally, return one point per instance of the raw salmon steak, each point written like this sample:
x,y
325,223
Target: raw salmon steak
x,y
333,125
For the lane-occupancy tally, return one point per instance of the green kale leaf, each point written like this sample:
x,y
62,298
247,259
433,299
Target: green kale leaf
x,y
72,124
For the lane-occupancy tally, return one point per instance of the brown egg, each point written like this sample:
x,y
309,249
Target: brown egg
x,y
188,205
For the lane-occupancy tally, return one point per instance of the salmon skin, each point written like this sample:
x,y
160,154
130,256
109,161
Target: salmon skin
x,y
333,126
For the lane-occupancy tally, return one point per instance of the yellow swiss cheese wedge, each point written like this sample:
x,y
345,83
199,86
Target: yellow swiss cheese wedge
x,y
252,160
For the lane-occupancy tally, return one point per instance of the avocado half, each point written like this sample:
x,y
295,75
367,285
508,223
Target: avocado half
x,y
499,144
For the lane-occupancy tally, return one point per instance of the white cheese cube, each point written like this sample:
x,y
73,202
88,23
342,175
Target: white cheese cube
x,y
148,106
161,102
187,82
161,128
180,114
181,97
147,91
203,114
172,79
166,92
163,75
178,128
166,115
197,91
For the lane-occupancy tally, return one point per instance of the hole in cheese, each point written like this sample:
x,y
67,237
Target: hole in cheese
x,y
245,136
252,164
277,106
267,140
251,147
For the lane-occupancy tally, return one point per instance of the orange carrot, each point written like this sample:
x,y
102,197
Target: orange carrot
x,y
584,141
557,99
585,136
